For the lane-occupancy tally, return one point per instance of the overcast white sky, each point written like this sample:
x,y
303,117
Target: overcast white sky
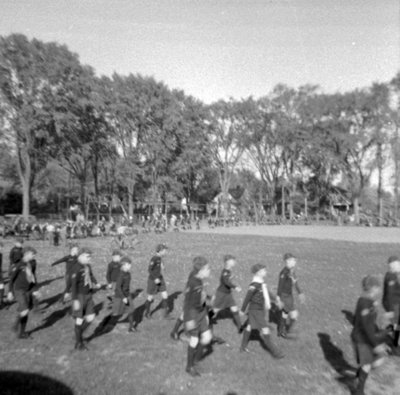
x,y
220,48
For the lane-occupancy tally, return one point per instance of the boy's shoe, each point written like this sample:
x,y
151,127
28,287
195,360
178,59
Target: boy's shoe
x,y
80,346
132,329
193,371
24,335
244,349
174,336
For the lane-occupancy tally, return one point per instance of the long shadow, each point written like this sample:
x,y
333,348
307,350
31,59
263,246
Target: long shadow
x,y
349,315
138,314
51,319
48,281
170,302
334,355
21,383
46,303
106,326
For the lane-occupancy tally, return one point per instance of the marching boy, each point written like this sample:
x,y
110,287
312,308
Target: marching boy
x,y
23,281
113,269
70,262
287,281
156,282
223,297
15,257
195,314
258,303
83,284
368,340
122,300
391,295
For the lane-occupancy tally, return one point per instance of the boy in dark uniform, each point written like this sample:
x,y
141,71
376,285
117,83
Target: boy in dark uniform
x,y
123,302
195,315
368,340
83,285
1,276
70,262
23,281
113,269
156,282
287,281
258,303
391,295
223,297
15,257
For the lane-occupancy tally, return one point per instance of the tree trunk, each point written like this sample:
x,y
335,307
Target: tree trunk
x,y
396,175
356,209
283,204
25,199
380,197
131,187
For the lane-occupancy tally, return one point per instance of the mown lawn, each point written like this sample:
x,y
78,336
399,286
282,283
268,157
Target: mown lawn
x,y
149,362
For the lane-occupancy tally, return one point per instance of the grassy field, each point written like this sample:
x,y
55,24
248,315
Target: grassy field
x,y
149,362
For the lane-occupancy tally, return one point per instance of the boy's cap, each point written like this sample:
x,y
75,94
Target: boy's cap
x,y
126,259
85,250
393,258
161,247
370,281
29,249
19,240
116,252
199,262
228,257
288,256
257,267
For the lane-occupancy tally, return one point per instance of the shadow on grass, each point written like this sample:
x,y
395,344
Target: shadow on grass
x,y
106,326
349,315
51,300
170,302
22,383
51,319
334,355
49,281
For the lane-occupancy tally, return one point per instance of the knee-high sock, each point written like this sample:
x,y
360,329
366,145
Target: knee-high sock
x,y
245,339
23,322
190,357
236,320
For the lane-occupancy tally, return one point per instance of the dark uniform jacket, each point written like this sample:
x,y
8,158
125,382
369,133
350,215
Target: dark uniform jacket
x,y
391,292
15,255
155,268
226,285
365,330
287,279
122,285
23,276
113,270
254,299
194,306
83,280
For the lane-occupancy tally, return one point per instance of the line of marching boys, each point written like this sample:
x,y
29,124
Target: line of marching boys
x,y
200,310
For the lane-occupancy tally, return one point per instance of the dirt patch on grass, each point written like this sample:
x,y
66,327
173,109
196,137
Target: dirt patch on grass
x,y
343,233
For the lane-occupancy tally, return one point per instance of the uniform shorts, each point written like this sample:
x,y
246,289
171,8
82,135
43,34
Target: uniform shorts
x,y
197,325
120,308
24,300
258,319
364,353
153,288
223,301
86,306
288,303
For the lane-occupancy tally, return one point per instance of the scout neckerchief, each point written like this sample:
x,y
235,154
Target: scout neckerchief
x,y
87,278
267,300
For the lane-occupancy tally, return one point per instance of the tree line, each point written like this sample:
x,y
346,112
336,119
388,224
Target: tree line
x,y
134,137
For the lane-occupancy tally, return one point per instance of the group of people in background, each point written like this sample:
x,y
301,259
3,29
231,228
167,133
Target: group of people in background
x,y
200,311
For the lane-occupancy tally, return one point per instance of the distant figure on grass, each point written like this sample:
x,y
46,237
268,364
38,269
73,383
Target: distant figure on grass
x,y
83,285
195,314
391,298
15,257
223,297
70,263
113,269
123,302
156,282
23,282
287,281
1,276
258,303
368,340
